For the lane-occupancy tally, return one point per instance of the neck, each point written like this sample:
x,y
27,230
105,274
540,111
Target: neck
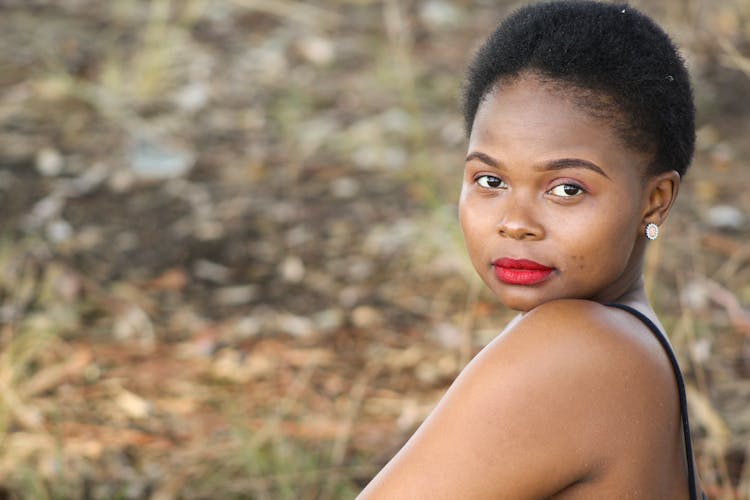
x,y
629,288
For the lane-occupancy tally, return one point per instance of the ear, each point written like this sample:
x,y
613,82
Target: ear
x,y
660,194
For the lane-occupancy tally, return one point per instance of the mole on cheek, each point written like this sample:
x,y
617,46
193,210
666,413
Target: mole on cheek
x,y
578,259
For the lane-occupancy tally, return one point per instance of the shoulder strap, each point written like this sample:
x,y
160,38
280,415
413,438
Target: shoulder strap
x,y
680,389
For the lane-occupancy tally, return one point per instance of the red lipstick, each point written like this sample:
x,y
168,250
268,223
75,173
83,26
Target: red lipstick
x,y
521,271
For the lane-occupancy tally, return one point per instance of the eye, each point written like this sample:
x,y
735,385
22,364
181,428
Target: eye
x,y
566,190
490,182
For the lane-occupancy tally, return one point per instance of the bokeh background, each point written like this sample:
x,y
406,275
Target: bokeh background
x,y
230,264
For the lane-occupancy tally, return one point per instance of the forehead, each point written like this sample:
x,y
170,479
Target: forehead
x,y
531,117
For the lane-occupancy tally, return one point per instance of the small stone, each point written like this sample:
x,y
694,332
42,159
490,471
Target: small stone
x,y
298,235
447,335
49,162
59,231
154,160
360,269
427,373
448,365
725,217
133,405
722,155
292,269
121,180
707,137
211,271
316,50
701,349
209,230
48,207
694,295
410,415
236,295
192,97
133,324
328,320
229,364
344,187
90,179
438,14
348,296
296,326
282,212
247,327
365,316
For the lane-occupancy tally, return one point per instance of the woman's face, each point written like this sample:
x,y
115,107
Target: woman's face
x,y
552,201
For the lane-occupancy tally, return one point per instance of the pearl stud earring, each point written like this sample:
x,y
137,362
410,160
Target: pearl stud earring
x,y
652,231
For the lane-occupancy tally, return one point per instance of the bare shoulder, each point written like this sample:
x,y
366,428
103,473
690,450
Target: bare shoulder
x,y
562,391
592,330
608,352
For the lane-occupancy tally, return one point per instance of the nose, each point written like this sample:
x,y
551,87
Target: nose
x,y
517,221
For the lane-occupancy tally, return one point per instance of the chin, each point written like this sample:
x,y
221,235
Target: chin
x,y
522,302
522,307
526,298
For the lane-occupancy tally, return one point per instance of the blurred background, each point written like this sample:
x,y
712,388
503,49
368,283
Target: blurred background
x,y
230,263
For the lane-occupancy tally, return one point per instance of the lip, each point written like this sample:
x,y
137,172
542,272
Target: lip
x,y
521,271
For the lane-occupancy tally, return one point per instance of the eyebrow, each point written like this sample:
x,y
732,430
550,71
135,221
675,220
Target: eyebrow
x,y
574,163
559,164
484,158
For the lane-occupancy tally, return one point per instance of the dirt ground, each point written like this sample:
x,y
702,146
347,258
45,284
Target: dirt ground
x,y
230,265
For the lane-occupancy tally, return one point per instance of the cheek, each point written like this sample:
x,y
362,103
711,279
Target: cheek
x,y
474,227
605,247
463,205
464,216
473,219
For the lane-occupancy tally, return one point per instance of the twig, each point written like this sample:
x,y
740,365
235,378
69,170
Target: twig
x,y
340,444
738,316
718,433
686,326
272,424
357,395
734,59
736,259
52,376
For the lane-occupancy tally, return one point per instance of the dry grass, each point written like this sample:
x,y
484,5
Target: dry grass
x,y
193,337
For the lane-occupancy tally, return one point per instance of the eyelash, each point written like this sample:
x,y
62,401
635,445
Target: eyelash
x,y
479,178
482,180
579,189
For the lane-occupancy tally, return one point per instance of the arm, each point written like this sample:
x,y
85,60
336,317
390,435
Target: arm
x,y
526,418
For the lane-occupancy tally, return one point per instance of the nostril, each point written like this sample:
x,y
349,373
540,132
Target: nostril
x,y
519,233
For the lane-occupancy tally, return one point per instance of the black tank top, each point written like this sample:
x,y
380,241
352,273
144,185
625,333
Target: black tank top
x,y
692,486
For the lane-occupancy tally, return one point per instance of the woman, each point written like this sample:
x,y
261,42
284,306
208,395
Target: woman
x,y
581,124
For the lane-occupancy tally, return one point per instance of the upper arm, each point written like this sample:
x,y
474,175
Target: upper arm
x,y
525,419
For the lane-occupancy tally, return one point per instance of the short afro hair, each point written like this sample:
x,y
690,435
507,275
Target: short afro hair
x,y
617,63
